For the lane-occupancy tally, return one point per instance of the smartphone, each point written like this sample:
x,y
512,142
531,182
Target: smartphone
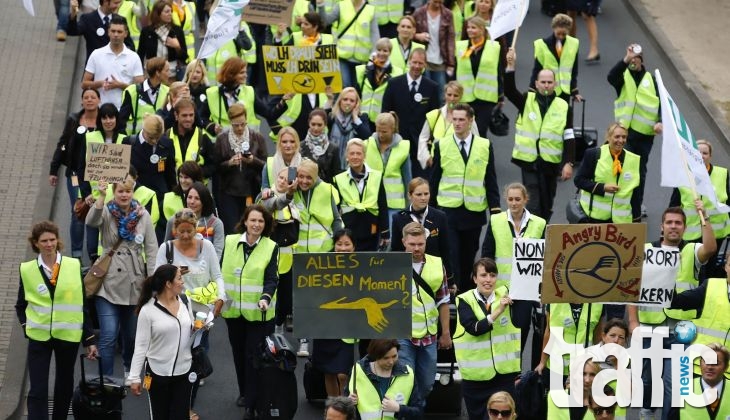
x,y
292,174
184,269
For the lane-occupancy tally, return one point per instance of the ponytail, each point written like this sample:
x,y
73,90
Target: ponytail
x,y
155,283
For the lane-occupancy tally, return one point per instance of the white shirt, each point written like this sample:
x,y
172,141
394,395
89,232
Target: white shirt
x,y
433,51
410,81
202,268
48,270
523,222
149,90
423,153
104,64
467,142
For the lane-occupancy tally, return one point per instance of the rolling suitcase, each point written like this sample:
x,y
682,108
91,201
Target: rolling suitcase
x,y
313,382
445,396
98,398
585,137
277,383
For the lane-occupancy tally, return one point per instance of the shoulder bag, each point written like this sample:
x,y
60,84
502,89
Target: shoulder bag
x,y
95,277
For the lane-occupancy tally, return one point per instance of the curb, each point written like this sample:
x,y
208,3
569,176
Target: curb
x,y
698,94
12,393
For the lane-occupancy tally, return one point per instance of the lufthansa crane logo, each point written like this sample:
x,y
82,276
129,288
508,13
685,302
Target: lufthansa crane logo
x,y
600,269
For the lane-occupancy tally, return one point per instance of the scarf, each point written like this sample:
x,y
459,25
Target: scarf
x,y
378,72
473,47
616,163
236,142
180,11
279,164
310,40
342,131
126,223
317,145
162,32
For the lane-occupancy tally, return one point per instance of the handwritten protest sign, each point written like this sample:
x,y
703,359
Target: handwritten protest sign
x,y
107,162
268,12
658,276
527,266
302,69
593,263
352,295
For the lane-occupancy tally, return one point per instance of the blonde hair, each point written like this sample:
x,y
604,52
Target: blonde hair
x,y
611,128
153,125
458,87
414,229
384,43
336,108
415,183
561,20
356,142
387,118
479,22
502,397
309,167
287,130
719,348
516,186
189,71
185,215
706,143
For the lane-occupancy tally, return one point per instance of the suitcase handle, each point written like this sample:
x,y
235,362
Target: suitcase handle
x,y
83,371
582,116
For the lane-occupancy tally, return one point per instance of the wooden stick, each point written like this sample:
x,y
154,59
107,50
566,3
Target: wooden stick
x,y
517,29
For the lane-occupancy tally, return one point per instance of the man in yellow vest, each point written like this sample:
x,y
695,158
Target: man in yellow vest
x,y
637,108
189,141
430,307
544,142
712,378
464,185
692,257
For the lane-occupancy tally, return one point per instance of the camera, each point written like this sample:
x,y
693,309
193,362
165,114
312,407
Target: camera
x,y
636,49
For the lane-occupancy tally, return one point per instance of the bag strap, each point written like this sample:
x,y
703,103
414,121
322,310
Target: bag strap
x,y
357,15
169,252
114,248
423,285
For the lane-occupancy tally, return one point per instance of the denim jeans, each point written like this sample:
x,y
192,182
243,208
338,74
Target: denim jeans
x,y
115,320
62,12
76,227
347,69
423,362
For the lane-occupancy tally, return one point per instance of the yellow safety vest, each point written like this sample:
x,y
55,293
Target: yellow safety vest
x,y
482,357
140,107
368,399
686,280
244,278
393,182
300,8
387,11
485,85
214,63
354,45
637,107
533,131
440,128
219,112
615,207
460,15
713,326
563,70
425,313
192,151
397,60
317,219
61,317
720,221
171,203
125,10
463,183
294,108
504,245
351,199
700,413
371,102
187,26
561,315
563,413
300,41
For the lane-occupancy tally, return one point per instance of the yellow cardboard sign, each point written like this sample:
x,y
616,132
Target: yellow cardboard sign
x,y
303,70
593,263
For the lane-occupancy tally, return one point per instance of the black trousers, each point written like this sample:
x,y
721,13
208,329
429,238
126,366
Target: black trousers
x,y
39,361
463,245
476,393
640,144
245,338
482,115
170,397
541,187
284,297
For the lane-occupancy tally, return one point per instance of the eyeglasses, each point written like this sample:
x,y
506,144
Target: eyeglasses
x,y
497,413
598,411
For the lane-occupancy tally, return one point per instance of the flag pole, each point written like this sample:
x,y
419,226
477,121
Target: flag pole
x,y
517,29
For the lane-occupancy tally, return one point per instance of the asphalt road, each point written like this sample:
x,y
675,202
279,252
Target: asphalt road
x,y
617,28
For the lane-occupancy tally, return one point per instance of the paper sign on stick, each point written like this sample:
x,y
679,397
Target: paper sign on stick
x,y
302,69
527,266
269,12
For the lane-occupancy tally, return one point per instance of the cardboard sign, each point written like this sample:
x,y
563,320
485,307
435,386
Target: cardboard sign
x,y
268,12
593,263
352,295
659,276
107,162
527,265
302,69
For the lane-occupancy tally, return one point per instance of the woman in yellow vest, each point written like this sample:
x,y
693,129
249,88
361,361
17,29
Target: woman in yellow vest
x,y
310,34
373,77
381,385
287,155
501,406
250,277
559,53
608,178
486,341
316,146
284,31
362,199
346,121
48,283
388,152
479,70
517,223
176,199
197,80
438,124
403,44
183,15
209,227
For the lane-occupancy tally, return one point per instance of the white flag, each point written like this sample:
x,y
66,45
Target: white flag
x,y
222,26
682,164
507,16
28,4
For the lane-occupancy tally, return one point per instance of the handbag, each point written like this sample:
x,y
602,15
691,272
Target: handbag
x,y
499,123
201,363
574,212
95,277
81,209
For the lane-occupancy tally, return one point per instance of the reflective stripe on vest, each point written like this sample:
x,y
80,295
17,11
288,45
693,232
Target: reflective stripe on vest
x,y
371,102
219,112
531,126
484,86
354,45
504,242
387,11
294,108
719,221
564,70
315,229
463,183
140,107
713,326
368,398
561,315
425,313
393,182
615,207
637,107
192,152
61,317
350,197
688,412
481,357
214,63
244,278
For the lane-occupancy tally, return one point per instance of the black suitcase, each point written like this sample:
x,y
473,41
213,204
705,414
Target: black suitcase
x,y
277,383
445,397
585,137
553,7
98,398
313,382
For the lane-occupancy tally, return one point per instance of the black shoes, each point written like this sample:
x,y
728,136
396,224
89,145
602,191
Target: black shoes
x,y
241,401
593,60
249,414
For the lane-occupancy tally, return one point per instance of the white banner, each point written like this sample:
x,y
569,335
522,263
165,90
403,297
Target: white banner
x,y
527,265
28,4
223,26
508,16
680,157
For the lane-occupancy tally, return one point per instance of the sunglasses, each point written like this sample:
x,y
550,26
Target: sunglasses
x,y
185,214
497,413
598,411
